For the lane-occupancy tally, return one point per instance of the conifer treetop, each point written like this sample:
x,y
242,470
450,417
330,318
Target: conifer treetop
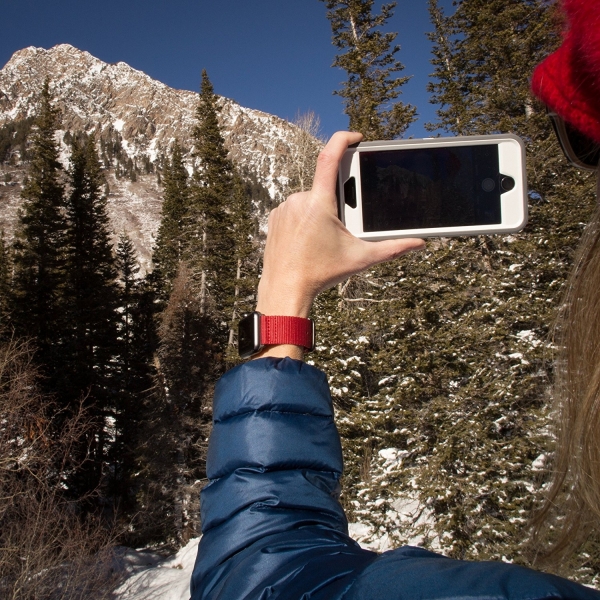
x,y
43,187
88,233
368,56
483,55
216,169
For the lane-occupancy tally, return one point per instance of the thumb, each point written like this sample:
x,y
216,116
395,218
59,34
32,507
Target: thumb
x,y
378,252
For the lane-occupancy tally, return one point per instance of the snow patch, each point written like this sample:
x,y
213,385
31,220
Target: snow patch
x,y
529,337
366,537
539,464
154,578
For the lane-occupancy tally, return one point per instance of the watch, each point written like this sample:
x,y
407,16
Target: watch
x,y
256,331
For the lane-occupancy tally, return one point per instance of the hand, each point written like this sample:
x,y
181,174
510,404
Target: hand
x,y
308,248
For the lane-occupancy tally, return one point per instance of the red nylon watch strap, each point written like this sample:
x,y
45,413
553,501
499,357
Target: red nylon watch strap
x,y
287,330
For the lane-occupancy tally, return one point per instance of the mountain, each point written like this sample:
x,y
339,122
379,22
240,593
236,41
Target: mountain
x,y
140,117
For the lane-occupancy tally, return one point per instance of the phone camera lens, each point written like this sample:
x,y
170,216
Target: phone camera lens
x,y
488,185
507,183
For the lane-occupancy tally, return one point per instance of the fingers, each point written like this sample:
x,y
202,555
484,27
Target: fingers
x,y
329,160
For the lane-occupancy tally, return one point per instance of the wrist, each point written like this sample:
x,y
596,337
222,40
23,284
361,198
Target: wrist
x,y
281,351
282,303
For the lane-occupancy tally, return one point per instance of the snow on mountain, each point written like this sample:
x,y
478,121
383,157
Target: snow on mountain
x,y
149,116
95,95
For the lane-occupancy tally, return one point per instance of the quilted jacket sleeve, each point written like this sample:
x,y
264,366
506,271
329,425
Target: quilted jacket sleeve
x,y
273,528
271,518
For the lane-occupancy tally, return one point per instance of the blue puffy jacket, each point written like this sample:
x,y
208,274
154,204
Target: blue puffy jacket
x,y
272,524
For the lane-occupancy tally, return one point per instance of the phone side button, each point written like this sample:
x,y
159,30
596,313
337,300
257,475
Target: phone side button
x,y
350,192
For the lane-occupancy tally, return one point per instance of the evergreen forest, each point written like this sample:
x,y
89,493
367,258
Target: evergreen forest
x,y
440,363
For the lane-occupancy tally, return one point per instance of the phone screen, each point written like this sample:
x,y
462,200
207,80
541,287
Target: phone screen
x,y
430,187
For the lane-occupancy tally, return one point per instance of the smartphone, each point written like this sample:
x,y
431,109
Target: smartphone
x,y
468,185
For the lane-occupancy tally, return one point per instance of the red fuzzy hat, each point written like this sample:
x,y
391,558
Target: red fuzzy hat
x,y
568,81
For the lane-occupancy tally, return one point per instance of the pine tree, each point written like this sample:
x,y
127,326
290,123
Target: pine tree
x,y
482,54
133,375
189,361
128,269
137,334
196,249
171,239
368,56
40,242
245,231
90,303
448,90
212,250
91,290
207,248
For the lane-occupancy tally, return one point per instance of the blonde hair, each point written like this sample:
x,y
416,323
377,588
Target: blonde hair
x,y
571,510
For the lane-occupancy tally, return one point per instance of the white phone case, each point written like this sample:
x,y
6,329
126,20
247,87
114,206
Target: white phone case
x,y
511,155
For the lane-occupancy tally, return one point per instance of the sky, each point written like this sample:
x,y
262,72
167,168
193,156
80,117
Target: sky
x,y
270,55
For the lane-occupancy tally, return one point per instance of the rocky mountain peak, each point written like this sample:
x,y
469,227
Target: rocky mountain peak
x,y
145,116
96,96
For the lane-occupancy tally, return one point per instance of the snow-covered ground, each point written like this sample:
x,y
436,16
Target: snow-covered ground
x,y
151,577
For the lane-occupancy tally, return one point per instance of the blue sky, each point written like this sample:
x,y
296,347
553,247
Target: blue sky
x,y
272,55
